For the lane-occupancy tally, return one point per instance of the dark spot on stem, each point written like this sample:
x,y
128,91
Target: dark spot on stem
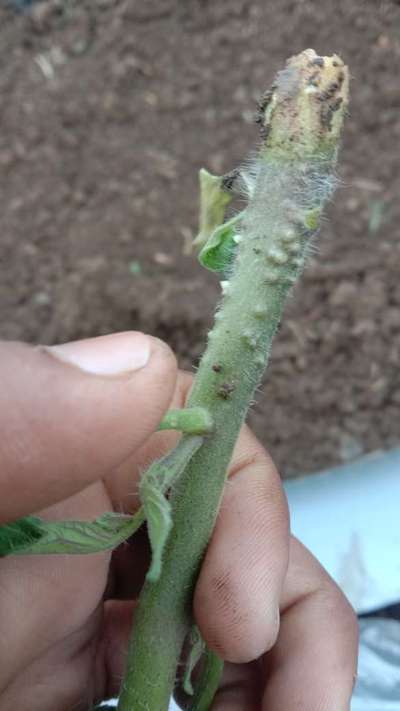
x,y
260,115
226,390
336,104
314,79
327,112
217,367
329,92
229,179
340,78
265,131
263,103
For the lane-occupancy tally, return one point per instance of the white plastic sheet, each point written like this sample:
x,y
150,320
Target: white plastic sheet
x,y
378,683
349,518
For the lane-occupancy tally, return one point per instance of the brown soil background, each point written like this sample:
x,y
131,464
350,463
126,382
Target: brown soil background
x,y
99,153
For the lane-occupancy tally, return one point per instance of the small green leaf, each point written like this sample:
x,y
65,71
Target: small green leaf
x,y
195,654
154,483
159,523
32,535
219,251
214,200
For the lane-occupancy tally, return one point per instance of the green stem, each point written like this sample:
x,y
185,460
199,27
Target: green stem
x,y
229,372
291,182
208,682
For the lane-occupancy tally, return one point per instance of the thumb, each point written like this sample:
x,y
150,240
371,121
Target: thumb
x,y
69,414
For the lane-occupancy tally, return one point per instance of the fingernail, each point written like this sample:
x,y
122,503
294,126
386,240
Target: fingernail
x,y
116,354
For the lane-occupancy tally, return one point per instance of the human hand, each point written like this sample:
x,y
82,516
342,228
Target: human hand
x,y
77,428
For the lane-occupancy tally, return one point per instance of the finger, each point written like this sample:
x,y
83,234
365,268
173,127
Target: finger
x,y
313,665
240,688
236,601
70,414
111,656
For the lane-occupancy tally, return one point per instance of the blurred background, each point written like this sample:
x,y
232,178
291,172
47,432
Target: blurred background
x,y
108,108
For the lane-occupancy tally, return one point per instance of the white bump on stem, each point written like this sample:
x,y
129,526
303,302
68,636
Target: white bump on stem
x,y
271,278
260,311
289,235
277,256
260,359
311,89
249,337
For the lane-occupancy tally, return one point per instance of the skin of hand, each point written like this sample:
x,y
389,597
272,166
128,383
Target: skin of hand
x,y
77,428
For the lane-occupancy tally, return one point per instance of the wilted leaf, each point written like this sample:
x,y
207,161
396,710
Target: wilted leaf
x,y
196,651
220,249
159,523
33,535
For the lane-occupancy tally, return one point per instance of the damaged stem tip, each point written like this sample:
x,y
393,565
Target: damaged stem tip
x,y
302,114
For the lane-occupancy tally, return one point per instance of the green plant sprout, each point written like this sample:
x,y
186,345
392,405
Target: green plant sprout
x,y
259,253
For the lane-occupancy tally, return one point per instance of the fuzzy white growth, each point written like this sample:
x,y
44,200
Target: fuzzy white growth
x,y
248,184
248,175
224,287
294,248
311,249
298,262
309,184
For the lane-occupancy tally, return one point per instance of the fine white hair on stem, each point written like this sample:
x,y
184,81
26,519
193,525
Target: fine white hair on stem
x,y
308,185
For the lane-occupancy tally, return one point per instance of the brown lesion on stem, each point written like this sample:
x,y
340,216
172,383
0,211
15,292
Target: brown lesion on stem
x,y
302,113
229,180
225,390
216,367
